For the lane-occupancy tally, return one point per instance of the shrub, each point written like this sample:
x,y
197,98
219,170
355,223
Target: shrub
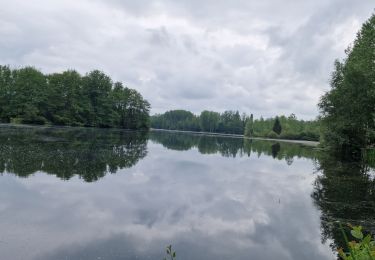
x,y
361,249
272,135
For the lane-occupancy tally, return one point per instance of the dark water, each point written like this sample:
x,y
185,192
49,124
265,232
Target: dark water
x,y
109,194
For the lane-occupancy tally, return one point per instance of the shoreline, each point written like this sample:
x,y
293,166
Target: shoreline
x,y
304,142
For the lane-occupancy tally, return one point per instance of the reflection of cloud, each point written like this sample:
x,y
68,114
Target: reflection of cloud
x,y
247,55
207,206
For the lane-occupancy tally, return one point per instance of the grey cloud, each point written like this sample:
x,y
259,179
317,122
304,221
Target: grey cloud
x,y
254,56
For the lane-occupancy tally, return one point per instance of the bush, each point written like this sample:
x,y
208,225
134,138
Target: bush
x,y
16,120
59,120
38,120
361,249
272,135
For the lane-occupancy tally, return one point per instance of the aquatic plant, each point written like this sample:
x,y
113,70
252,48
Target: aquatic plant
x,y
363,248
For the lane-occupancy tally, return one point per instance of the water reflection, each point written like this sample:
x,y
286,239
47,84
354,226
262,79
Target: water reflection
x,y
219,198
344,191
212,197
92,153
232,147
66,152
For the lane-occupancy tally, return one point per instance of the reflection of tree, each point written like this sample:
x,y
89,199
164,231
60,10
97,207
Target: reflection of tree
x,y
65,152
207,145
174,141
345,192
232,147
275,149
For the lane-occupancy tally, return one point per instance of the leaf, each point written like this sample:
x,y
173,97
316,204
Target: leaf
x,y
169,249
367,239
357,233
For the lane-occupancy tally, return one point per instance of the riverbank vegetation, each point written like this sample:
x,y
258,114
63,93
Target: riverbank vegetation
x,y
348,109
232,122
362,248
28,96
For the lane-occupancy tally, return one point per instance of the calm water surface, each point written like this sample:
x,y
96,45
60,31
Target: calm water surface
x,y
109,194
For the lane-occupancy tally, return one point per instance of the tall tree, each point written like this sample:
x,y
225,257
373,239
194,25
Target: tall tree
x,y
348,110
209,121
6,93
277,126
29,96
249,128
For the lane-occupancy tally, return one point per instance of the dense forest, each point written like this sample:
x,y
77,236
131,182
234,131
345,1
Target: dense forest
x,y
232,122
28,96
348,109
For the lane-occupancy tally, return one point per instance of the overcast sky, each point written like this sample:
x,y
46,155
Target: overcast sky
x,y
264,57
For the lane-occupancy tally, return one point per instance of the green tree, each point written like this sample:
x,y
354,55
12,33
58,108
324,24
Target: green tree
x,y
64,98
347,110
277,126
97,87
209,121
29,100
249,128
29,96
6,93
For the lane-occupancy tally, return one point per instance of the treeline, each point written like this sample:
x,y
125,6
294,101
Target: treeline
x,y
348,109
283,127
28,96
232,122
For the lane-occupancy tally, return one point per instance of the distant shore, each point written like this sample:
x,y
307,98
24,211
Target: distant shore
x,y
304,142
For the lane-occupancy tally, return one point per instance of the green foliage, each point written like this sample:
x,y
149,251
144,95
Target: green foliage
x,y
230,122
209,121
292,128
347,110
249,126
27,96
170,253
277,126
272,135
363,248
176,120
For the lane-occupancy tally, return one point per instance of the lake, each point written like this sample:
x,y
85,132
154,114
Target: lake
x,y
75,193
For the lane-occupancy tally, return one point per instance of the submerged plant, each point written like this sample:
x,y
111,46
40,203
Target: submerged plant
x,y
363,248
